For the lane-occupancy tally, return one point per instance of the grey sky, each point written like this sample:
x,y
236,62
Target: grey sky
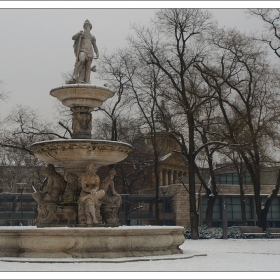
x,y
36,46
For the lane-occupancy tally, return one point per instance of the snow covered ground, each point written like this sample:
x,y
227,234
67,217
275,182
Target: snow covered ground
x,y
232,255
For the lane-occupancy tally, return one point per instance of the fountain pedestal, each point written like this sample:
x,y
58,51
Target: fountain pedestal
x,y
81,122
81,99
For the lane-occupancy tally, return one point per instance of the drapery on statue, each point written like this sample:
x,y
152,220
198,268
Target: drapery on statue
x,y
112,201
50,196
108,185
55,187
84,42
89,200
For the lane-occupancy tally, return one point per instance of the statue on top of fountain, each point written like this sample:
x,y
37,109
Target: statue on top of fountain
x,y
84,45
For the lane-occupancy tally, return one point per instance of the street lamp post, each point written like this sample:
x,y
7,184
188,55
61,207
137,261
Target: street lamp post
x,y
164,190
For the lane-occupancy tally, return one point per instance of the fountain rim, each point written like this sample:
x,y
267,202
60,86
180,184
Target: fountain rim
x,y
94,141
81,86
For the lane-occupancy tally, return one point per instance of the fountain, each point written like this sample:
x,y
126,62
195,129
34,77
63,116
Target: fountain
x,y
77,215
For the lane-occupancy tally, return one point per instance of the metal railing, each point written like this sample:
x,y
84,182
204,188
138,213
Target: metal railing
x,y
17,215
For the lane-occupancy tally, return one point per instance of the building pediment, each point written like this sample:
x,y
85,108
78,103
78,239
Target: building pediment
x,y
173,158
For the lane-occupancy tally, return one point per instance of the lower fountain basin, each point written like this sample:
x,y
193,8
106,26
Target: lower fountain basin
x,y
76,154
125,241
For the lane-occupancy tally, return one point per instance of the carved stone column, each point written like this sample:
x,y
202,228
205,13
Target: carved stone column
x,y
166,177
180,174
174,176
160,177
169,177
81,122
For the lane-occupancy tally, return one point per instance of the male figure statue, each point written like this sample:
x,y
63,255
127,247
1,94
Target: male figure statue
x,y
84,42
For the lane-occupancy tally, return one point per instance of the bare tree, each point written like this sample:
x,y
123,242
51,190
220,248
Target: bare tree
x,y
113,69
118,70
174,44
16,166
245,87
204,127
18,131
3,94
236,161
271,19
23,127
146,91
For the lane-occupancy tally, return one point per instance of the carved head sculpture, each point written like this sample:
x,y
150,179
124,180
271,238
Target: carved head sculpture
x,y
111,172
48,170
87,22
91,169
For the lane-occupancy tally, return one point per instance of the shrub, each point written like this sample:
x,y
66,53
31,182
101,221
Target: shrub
x,y
217,233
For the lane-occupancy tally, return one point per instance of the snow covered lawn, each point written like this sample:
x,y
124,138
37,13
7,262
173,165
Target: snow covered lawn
x,y
222,255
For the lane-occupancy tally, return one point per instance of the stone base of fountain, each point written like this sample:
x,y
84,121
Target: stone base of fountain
x,y
64,242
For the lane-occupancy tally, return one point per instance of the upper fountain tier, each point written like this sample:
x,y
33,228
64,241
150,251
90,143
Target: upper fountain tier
x,y
82,95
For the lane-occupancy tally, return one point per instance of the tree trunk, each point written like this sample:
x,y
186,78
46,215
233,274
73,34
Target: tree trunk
x,y
242,194
192,198
157,189
211,196
209,210
258,208
254,171
264,212
258,202
242,203
114,132
268,202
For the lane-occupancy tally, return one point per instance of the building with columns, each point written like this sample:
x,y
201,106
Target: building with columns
x,y
172,166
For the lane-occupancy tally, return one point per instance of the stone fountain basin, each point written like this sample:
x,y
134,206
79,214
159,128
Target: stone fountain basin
x,y
82,95
76,154
32,242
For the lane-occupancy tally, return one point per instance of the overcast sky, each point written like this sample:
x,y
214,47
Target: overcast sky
x,y
36,44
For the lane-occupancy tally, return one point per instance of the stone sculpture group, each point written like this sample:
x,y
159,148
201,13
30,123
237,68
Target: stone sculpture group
x,y
98,202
